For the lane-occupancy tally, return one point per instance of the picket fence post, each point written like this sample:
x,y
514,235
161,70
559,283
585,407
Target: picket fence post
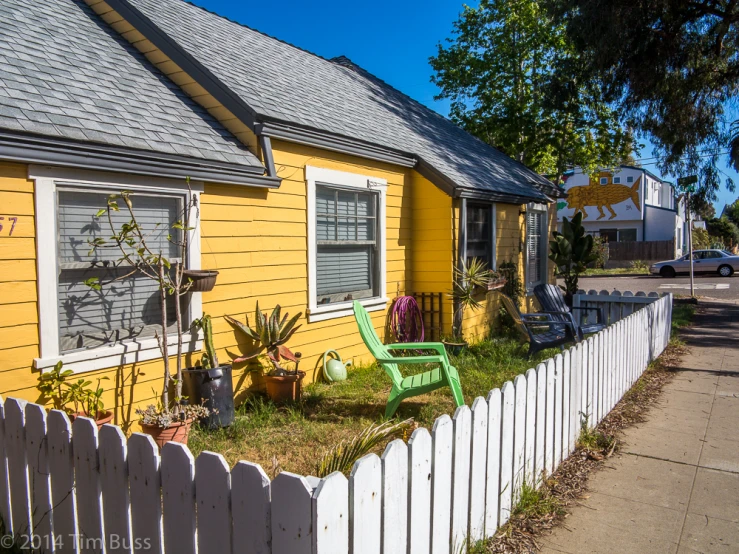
x,y
292,504
61,470
492,477
146,494
519,435
558,409
330,516
478,469
530,453
114,484
506,452
442,437
87,479
251,509
395,507
419,460
461,475
178,498
541,424
38,473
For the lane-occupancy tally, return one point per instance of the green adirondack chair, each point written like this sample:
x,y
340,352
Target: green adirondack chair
x,y
444,375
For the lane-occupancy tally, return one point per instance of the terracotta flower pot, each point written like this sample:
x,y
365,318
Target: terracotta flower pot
x,y
101,419
284,388
177,432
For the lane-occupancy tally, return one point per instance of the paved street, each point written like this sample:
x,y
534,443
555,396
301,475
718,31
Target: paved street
x,y
675,485
711,286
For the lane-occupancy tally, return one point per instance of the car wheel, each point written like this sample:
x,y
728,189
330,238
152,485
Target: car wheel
x,y
667,272
725,271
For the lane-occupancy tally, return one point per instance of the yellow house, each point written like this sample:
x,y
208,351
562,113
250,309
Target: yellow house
x,y
316,182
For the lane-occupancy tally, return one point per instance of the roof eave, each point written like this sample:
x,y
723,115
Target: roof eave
x,y
50,151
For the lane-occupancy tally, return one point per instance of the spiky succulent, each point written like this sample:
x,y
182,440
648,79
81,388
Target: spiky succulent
x,y
270,334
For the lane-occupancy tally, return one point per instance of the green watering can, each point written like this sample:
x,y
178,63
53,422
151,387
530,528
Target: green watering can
x,y
334,369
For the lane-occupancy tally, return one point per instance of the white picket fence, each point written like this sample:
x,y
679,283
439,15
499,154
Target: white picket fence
x,y
71,489
615,305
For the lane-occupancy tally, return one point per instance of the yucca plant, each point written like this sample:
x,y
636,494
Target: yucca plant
x,y
345,454
269,336
571,251
469,279
210,358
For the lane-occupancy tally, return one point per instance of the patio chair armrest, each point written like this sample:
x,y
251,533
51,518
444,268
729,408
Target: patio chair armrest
x,y
435,346
413,360
599,312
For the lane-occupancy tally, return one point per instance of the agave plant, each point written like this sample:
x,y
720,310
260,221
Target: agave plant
x,y
269,336
342,456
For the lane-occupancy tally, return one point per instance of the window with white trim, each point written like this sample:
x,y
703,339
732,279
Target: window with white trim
x,y
536,246
604,180
92,329
480,233
346,245
617,180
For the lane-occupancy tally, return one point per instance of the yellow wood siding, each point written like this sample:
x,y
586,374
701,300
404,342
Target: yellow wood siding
x,y
257,240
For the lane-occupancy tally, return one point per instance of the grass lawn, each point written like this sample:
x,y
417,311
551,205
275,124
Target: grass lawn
x,y
294,437
616,271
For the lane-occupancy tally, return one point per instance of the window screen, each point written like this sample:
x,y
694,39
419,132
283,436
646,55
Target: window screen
x,y
617,180
479,238
346,244
122,310
535,235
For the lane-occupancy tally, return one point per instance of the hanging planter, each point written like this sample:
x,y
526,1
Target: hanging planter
x,y
202,280
497,283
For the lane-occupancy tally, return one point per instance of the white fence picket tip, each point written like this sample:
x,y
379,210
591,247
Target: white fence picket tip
x,y
461,475
365,507
492,477
478,469
15,435
251,510
419,498
558,409
146,495
61,470
38,472
87,479
442,435
213,495
178,498
395,508
519,436
530,440
330,516
506,452
541,423
113,453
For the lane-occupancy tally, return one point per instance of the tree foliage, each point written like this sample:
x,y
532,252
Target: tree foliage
x,y
672,66
723,229
499,72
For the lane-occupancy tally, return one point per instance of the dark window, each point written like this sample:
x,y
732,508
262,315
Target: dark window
x,y
479,233
346,240
610,234
627,235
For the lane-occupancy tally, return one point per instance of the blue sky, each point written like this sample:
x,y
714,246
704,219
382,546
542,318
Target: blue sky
x,y
392,39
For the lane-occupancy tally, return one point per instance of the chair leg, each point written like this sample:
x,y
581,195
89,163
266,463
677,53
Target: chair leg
x,y
456,387
392,403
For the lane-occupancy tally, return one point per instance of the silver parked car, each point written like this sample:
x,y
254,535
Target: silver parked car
x,y
704,261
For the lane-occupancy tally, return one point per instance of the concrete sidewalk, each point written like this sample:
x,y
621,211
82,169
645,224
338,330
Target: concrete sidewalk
x,y
675,485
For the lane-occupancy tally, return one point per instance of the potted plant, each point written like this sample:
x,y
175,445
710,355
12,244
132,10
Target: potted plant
x,y
171,418
76,399
470,280
269,337
210,384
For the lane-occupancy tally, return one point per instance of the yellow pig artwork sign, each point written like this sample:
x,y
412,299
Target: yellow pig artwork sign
x,y
600,196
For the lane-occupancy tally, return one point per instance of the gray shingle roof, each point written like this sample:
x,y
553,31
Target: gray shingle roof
x,y
282,82
64,73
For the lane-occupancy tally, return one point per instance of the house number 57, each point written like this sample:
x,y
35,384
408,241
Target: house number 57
x,y
14,220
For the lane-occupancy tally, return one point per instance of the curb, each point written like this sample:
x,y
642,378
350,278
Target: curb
x,y
615,276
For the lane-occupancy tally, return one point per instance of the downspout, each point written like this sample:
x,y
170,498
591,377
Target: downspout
x,y
461,260
265,144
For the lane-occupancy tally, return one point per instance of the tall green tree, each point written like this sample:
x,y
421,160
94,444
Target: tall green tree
x,y
672,66
499,71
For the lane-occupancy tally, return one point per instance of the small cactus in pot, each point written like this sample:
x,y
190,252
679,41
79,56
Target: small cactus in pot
x,y
209,359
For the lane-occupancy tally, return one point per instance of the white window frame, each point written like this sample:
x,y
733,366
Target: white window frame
x,y
543,247
323,176
604,180
46,179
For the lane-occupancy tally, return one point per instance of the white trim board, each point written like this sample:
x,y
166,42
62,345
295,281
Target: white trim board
x,y
315,175
47,179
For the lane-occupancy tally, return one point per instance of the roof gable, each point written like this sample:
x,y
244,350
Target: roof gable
x,y
282,83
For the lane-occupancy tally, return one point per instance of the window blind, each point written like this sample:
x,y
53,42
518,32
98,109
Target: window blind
x,y
125,309
535,226
346,230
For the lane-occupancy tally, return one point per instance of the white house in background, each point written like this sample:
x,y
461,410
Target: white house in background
x,y
625,204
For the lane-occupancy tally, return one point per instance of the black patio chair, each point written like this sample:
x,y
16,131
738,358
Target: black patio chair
x,y
552,301
540,329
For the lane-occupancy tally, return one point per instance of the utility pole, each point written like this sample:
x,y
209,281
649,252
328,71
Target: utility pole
x,y
688,185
